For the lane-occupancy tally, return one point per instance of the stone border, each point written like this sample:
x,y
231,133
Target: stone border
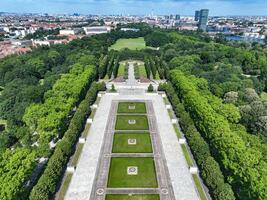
x,y
164,189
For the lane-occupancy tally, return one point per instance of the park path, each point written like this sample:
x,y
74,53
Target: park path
x,y
131,81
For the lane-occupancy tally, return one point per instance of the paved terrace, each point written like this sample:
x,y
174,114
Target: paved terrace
x,y
83,179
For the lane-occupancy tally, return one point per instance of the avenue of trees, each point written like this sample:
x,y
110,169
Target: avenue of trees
x,y
242,158
209,168
48,182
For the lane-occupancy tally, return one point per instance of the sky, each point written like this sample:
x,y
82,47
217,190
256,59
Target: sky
x,y
136,7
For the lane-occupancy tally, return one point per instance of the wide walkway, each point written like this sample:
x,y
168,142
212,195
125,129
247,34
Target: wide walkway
x,y
81,184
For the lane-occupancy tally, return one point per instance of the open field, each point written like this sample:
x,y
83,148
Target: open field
x,y
124,107
143,143
118,177
132,197
122,122
132,43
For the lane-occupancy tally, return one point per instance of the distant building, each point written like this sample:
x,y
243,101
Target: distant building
x,y
94,30
197,15
130,29
70,31
177,17
203,19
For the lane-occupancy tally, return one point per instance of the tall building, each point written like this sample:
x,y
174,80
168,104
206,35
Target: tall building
x,y
203,19
177,17
197,13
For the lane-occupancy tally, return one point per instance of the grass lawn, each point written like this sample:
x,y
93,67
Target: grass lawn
x,y
132,197
64,187
187,155
199,187
122,122
118,177
132,43
121,71
178,133
77,154
123,107
143,143
142,70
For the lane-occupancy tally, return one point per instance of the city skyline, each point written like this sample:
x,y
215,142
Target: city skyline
x,y
136,7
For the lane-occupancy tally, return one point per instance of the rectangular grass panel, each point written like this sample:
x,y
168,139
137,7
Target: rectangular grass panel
x,y
124,107
143,143
118,177
132,197
122,122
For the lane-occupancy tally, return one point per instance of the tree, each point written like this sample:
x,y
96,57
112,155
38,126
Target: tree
x,y
150,88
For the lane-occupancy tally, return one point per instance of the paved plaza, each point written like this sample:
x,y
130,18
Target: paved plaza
x,y
89,182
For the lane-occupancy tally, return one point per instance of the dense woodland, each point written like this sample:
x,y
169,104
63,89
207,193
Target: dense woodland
x,y
217,89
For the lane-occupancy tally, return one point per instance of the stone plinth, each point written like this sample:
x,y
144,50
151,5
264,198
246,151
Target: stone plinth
x,y
193,170
132,141
82,140
174,121
168,107
89,121
132,170
182,141
132,121
71,169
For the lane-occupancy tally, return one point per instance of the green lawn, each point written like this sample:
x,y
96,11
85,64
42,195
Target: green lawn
x,y
187,155
178,133
121,71
77,154
199,187
143,143
118,177
132,43
64,187
132,197
142,70
123,107
122,122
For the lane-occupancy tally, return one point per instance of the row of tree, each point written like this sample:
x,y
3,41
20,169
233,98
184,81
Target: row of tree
x,y
209,169
48,182
50,119
242,160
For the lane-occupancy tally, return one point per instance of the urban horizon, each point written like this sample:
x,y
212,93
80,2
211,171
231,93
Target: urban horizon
x,y
137,7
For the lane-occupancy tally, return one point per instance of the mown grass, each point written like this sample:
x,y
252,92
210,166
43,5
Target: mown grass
x,y
123,107
132,43
199,187
132,197
187,155
118,177
121,71
143,143
64,187
122,122
77,154
142,70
